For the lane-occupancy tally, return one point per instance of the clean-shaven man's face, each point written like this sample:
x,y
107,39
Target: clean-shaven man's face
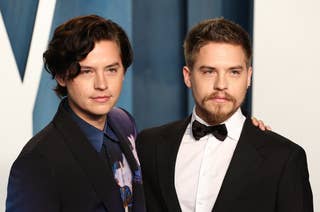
x,y
96,89
219,80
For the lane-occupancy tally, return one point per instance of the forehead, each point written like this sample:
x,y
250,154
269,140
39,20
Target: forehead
x,y
105,52
104,47
213,52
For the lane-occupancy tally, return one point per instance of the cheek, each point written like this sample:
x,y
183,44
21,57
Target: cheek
x,y
78,89
117,85
200,92
240,92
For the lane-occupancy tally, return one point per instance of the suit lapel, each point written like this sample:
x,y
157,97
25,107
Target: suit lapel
x,y
98,174
244,163
167,150
119,122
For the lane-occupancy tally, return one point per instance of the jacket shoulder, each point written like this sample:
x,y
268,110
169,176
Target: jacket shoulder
x,y
42,140
121,119
269,140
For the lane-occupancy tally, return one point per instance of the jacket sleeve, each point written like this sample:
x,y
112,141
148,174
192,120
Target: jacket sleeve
x,y
295,193
146,153
31,187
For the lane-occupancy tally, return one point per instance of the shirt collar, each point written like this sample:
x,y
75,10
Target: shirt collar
x,y
233,124
93,134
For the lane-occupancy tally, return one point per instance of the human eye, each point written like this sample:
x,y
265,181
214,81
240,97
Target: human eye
x,y
86,71
112,69
206,72
235,72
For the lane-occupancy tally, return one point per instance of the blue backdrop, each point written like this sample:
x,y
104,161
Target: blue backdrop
x,y
159,28
153,90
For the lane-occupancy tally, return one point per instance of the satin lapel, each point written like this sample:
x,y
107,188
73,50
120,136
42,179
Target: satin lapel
x,y
99,176
167,150
123,139
244,164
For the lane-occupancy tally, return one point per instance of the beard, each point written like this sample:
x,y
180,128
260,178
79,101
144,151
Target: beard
x,y
217,113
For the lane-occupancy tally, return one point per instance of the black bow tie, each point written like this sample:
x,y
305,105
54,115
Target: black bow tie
x,y
199,130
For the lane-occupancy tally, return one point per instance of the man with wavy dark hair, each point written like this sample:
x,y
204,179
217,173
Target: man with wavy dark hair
x,y
215,159
85,158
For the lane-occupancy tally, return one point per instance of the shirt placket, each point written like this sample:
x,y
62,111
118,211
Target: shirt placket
x,y
207,174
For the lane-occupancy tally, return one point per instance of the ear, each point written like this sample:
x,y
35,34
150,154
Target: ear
x,y
249,76
187,76
123,76
61,81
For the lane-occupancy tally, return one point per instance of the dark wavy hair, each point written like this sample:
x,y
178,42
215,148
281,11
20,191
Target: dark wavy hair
x,y
218,30
73,40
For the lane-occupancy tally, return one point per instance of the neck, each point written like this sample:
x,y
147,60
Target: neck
x,y
97,123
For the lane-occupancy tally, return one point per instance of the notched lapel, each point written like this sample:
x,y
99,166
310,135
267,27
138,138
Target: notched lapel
x,y
244,164
98,175
167,150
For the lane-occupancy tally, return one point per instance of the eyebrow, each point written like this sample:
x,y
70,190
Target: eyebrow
x,y
207,67
213,68
108,66
113,65
236,67
85,67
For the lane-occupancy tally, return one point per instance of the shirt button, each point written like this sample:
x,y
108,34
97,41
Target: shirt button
x,y
199,203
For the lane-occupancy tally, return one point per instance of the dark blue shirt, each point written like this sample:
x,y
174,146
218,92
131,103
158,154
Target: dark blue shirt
x,y
93,134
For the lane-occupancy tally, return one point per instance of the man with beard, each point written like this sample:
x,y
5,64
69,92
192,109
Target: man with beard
x,y
215,159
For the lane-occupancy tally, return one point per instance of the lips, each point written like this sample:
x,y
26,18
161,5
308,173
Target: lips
x,y
101,99
220,97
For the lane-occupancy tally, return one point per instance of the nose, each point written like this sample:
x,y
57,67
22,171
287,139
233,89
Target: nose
x,y
220,82
100,81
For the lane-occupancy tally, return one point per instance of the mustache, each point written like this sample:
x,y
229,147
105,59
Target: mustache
x,y
225,95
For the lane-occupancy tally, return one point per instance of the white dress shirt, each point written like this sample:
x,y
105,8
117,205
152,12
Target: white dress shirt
x,y
201,165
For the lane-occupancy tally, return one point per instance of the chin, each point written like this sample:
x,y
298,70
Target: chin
x,y
218,115
219,110
101,111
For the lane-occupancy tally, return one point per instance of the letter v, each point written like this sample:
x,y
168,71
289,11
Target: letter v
x,y
17,98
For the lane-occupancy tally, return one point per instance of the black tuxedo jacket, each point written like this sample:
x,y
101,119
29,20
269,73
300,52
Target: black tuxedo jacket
x,y
267,173
59,170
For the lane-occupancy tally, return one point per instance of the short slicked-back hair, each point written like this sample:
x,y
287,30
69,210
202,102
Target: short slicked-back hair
x,y
218,30
73,40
